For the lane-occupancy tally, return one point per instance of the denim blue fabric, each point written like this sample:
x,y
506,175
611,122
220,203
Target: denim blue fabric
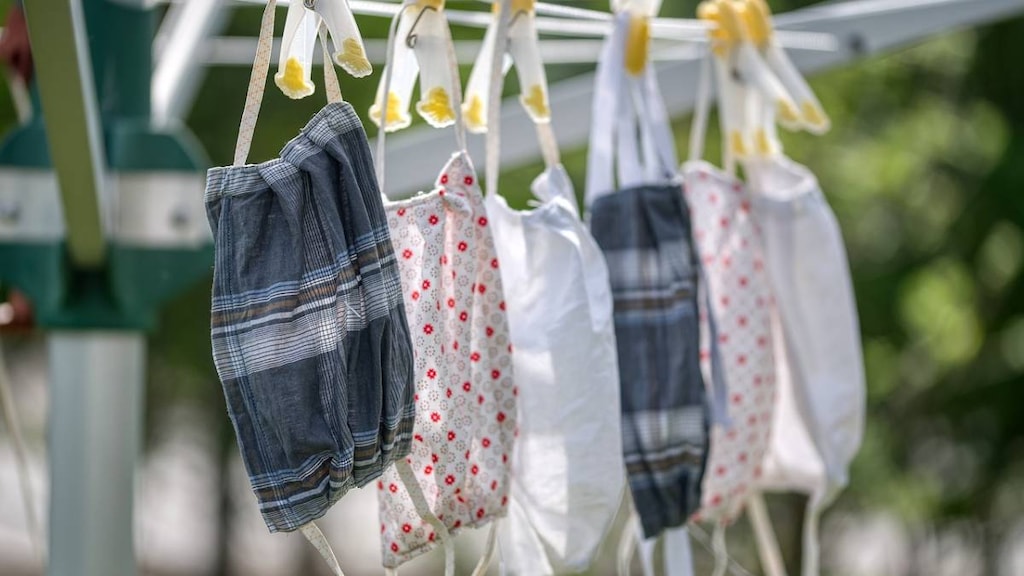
x,y
645,235
309,333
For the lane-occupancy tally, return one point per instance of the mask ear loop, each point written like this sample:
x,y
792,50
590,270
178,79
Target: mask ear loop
x,y
492,165
699,123
257,84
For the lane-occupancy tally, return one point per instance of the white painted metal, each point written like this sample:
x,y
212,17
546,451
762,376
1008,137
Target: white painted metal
x,y
96,391
160,210
30,206
862,27
179,69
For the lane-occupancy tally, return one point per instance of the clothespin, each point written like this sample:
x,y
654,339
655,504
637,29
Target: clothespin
x,y
731,100
422,48
638,40
295,63
524,48
812,116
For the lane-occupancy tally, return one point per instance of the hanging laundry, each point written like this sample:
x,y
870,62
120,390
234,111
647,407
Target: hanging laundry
x,y
567,469
644,231
308,325
741,306
465,394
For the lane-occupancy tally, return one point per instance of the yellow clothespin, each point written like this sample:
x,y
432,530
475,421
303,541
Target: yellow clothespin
x,y
724,37
422,48
812,116
525,52
638,40
300,38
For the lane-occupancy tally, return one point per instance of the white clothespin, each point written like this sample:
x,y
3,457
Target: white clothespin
x,y
421,49
812,116
732,111
525,54
300,37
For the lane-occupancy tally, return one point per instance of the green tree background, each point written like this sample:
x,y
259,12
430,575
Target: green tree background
x,y
924,168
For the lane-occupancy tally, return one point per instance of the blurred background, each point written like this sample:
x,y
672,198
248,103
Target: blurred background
x,y
924,168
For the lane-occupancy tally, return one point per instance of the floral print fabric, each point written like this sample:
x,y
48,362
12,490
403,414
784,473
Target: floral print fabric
x,y
465,396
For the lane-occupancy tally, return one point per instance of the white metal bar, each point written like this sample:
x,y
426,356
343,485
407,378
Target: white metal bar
x,y
96,391
862,27
178,71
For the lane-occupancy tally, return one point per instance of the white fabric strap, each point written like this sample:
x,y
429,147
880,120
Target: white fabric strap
x,y
489,550
764,534
331,86
627,544
628,163
699,125
646,547
662,160
492,165
548,145
257,83
677,556
312,533
419,501
21,459
811,553
453,66
607,93
719,550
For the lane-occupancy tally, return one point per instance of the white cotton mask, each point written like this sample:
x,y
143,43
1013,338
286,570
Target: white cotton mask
x,y
567,468
821,372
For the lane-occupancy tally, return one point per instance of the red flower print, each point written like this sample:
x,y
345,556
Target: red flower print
x,y
743,281
727,261
742,320
501,306
725,301
737,398
444,259
481,288
713,198
380,485
434,458
449,479
467,454
504,458
480,513
415,295
515,390
464,316
433,219
426,284
418,437
752,420
480,399
741,359
394,546
504,500
428,469
762,341
448,392
467,386
475,356
451,435
486,442
428,329
406,528
721,470
716,499
435,417
444,179
501,416
455,345
451,302
416,397
431,537
724,222
475,469
393,488
462,246
702,175
382,528
401,211
723,339
757,471
482,221
757,380
495,374
406,253
745,206
457,524
742,457
494,485
494,263
468,180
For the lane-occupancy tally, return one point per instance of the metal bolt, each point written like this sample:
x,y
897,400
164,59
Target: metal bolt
x,y
309,4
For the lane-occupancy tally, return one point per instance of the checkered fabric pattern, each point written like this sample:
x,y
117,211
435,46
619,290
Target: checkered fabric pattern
x,y
644,233
309,331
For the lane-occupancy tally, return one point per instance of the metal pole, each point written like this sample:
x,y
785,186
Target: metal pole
x,y
96,392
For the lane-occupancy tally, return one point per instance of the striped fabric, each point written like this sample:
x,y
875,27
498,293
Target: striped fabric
x,y
645,235
309,332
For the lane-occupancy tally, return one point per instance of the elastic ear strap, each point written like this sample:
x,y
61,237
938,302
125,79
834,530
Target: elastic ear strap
x,y
492,166
312,533
489,550
389,69
331,85
21,460
453,66
699,126
607,93
419,501
764,535
257,83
